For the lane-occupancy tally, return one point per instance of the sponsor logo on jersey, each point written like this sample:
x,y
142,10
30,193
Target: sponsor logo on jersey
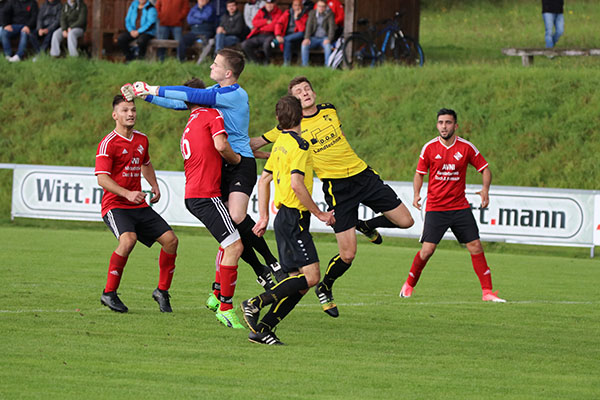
x,y
124,151
438,157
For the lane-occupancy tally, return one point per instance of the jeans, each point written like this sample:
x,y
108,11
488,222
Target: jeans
x,y
556,22
290,41
23,38
224,40
163,33
315,42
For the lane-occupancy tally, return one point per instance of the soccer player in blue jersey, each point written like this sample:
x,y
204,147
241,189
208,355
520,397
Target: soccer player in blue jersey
x,y
237,180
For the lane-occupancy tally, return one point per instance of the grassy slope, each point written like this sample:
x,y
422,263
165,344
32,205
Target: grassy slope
x,y
442,343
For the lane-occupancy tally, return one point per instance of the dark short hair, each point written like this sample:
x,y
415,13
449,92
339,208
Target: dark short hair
x,y
195,83
289,112
231,1
297,80
235,60
118,99
448,111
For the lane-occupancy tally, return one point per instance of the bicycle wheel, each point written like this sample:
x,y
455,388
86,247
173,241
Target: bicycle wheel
x,y
408,51
359,52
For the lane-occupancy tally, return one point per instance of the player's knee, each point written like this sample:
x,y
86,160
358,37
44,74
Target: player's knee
x,y
235,249
126,243
348,255
426,253
171,244
237,216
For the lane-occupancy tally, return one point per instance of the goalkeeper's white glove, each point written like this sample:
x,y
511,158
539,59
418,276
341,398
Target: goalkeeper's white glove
x,y
127,91
143,89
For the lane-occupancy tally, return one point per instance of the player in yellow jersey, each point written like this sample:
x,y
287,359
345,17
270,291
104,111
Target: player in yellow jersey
x,y
290,167
347,182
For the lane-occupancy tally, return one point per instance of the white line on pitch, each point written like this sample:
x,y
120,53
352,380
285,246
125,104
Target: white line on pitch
x,y
404,303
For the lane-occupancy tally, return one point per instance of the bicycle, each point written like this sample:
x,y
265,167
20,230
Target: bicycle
x,y
360,48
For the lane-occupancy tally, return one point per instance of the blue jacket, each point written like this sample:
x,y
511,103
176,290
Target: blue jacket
x,y
198,16
148,21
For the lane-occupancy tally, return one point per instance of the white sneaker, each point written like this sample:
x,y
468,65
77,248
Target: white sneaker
x,y
15,58
7,57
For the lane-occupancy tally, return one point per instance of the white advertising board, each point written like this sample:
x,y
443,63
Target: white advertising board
x,y
515,214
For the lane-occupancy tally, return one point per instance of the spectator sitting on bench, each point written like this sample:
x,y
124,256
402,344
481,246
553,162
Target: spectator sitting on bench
x,y
48,21
171,16
320,31
201,20
289,29
263,32
18,19
231,28
73,21
250,10
140,23
338,16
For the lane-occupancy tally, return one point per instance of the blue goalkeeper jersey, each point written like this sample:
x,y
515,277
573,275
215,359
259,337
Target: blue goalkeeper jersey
x,y
231,100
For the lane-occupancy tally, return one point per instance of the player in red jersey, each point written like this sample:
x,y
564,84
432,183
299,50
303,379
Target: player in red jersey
x,y
122,159
203,143
447,157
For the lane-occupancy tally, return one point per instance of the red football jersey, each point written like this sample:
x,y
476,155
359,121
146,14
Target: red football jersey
x,y
201,161
122,160
447,172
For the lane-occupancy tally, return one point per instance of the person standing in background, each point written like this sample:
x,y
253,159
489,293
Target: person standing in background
x,y
554,21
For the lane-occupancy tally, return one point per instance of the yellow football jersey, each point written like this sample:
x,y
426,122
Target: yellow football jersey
x,y
333,158
290,154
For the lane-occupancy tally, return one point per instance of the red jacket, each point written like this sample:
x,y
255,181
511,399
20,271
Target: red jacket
x,y
338,11
172,12
261,23
282,23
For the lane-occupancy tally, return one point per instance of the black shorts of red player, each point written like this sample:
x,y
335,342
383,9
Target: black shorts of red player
x,y
294,242
238,178
144,222
215,217
344,195
461,222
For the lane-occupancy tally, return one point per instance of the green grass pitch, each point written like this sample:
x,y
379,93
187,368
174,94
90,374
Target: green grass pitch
x,y
444,342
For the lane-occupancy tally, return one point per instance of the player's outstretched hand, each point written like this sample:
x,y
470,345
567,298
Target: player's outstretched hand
x,y
260,227
127,91
143,89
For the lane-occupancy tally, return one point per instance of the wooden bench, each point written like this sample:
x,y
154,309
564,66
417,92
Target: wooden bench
x,y
528,54
201,49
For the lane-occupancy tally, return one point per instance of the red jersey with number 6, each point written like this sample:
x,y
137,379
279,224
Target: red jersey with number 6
x,y
122,160
201,161
447,172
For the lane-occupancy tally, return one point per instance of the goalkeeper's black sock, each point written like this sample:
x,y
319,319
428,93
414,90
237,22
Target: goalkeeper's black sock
x,y
278,312
257,243
379,222
335,269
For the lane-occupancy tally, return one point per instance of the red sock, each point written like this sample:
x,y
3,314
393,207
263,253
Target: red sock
x,y
115,272
217,284
482,270
415,270
228,281
166,263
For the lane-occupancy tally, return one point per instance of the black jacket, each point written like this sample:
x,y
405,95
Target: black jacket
x,y
20,12
553,6
49,16
233,24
